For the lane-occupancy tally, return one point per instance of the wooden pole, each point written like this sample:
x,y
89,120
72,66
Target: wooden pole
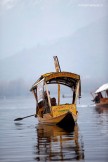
x,y
58,94
58,69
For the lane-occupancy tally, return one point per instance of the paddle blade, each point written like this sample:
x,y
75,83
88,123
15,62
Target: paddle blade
x,y
17,119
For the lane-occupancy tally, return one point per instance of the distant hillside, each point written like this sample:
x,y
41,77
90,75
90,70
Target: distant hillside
x,y
84,52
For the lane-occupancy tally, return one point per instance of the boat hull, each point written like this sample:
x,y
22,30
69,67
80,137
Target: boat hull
x,y
65,120
103,102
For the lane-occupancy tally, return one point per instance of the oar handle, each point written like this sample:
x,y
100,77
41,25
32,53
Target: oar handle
x,y
28,116
17,119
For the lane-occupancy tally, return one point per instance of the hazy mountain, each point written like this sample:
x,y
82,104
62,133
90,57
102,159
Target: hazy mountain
x,y
84,52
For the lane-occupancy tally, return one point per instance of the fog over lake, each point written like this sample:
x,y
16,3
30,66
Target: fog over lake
x,y
32,32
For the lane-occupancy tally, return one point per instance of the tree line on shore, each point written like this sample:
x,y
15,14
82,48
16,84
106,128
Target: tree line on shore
x,y
20,87
14,88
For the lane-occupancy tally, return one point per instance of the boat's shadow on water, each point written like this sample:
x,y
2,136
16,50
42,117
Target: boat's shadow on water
x,y
19,126
102,109
56,144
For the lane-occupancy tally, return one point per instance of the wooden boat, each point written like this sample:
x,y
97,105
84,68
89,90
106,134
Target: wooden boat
x,y
48,109
101,96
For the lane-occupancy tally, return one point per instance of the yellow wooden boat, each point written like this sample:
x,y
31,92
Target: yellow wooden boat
x,y
51,108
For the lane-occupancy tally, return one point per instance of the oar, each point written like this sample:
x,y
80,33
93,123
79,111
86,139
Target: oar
x,y
17,119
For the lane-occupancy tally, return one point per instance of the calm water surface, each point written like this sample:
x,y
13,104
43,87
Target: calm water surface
x,y
27,141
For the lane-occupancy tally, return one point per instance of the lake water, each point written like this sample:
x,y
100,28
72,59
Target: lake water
x,y
27,141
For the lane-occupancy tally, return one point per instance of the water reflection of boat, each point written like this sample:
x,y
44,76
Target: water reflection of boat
x,y
101,109
54,144
101,96
102,120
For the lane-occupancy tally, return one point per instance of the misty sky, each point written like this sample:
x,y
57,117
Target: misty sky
x,y
33,31
24,24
